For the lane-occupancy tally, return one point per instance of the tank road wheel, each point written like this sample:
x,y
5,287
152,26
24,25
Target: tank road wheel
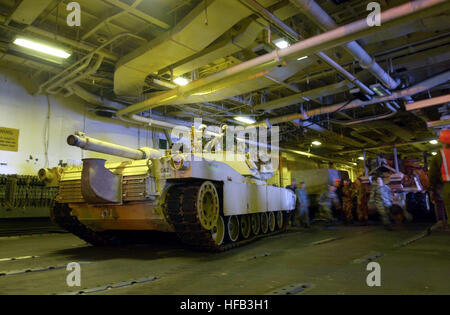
x,y
272,222
233,228
256,223
246,226
218,231
280,220
208,205
264,222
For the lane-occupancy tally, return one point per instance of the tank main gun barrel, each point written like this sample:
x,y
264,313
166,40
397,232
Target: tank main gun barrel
x,y
96,145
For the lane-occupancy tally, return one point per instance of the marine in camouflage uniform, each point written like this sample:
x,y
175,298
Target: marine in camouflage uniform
x,y
381,195
327,199
347,202
362,202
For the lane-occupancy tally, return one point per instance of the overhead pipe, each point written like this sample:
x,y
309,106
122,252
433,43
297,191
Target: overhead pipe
x,y
306,95
105,103
271,18
83,62
57,86
415,89
329,39
317,14
384,146
393,111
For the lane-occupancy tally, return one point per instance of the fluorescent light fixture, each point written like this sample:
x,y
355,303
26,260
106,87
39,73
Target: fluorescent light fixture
x,y
281,43
181,81
245,120
301,58
316,143
433,141
433,153
380,90
361,158
42,48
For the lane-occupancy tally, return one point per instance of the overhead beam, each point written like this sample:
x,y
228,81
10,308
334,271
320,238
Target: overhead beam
x,y
438,123
428,102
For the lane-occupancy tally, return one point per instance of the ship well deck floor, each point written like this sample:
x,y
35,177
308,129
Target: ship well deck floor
x,y
330,260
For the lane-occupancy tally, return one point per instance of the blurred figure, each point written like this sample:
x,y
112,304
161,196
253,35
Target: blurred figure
x,y
362,202
302,205
337,208
327,199
381,195
347,202
292,186
440,180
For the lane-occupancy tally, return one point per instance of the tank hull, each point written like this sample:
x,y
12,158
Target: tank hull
x,y
209,203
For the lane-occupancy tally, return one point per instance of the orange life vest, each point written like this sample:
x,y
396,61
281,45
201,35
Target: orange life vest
x,y
445,168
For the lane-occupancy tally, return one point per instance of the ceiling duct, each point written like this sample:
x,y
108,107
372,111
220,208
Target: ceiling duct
x,y
177,44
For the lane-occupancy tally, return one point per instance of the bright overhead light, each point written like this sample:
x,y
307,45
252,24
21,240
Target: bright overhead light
x,y
181,81
380,90
245,120
433,141
42,48
361,158
301,58
433,153
317,143
281,43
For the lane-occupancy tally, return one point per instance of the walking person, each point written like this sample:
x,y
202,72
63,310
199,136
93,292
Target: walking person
x,y
440,180
381,195
303,205
362,202
347,202
293,215
327,199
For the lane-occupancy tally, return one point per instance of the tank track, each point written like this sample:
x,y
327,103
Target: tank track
x,y
181,211
60,215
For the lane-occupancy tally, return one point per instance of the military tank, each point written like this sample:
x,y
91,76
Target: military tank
x,y
211,205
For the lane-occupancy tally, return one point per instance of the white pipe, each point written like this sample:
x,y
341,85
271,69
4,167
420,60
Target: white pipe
x,y
418,88
317,14
97,100
286,29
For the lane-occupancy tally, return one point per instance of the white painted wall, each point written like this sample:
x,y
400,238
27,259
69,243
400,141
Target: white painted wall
x,y
20,110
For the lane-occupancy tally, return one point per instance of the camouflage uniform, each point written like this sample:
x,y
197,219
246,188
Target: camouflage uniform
x,y
347,203
382,197
362,209
302,206
326,201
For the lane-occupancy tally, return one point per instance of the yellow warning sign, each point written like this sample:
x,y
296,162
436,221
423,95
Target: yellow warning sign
x,y
9,139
